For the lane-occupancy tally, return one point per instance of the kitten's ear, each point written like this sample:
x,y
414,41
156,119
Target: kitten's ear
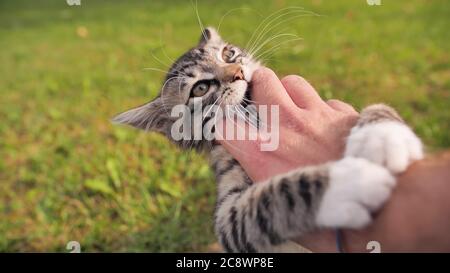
x,y
150,117
209,34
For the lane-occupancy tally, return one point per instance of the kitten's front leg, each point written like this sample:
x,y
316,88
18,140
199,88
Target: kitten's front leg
x,y
382,137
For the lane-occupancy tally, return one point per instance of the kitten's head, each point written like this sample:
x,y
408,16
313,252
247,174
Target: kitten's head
x,y
214,72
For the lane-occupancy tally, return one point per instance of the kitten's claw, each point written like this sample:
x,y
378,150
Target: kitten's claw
x,y
357,188
390,144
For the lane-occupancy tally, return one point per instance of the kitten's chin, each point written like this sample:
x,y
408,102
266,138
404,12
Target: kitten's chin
x,y
238,93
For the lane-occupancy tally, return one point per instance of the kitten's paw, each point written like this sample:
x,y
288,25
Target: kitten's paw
x,y
390,144
357,188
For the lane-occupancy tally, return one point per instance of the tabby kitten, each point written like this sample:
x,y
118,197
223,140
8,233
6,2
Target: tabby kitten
x,y
265,217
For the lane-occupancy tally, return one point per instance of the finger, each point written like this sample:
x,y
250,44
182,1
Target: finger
x,y
301,92
340,106
268,90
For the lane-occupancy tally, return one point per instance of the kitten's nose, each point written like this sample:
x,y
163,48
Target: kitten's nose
x,y
233,72
238,75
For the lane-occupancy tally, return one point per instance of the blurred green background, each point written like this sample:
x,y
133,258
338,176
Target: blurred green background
x,y
67,174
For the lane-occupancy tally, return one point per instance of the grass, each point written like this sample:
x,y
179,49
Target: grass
x,y
67,174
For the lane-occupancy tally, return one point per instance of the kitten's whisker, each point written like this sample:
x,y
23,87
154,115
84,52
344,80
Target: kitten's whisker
x,y
209,110
253,118
263,22
162,47
277,46
271,39
202,28
271,25
179,86
159,60
164,71
215,116
172,61
234,110
229,117
162,88
268,58
169,79
265,61
191,144
231,146
245,117
155,69
238,150
230,11
248,100
304,14
215,120
251,114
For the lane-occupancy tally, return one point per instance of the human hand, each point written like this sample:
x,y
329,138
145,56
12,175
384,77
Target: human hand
x,y
311,131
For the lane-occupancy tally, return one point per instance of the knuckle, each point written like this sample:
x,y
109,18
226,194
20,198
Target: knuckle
x,y
291,114
293,121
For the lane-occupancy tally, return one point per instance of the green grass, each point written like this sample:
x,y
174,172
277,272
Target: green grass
x,y
67,174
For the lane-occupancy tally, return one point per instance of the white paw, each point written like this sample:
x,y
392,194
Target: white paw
x,y
390,144
357,188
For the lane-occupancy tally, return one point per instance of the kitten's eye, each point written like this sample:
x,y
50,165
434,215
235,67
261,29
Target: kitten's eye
x,y
229,54
200,88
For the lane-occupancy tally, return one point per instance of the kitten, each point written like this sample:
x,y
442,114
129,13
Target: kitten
x,y
265,217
